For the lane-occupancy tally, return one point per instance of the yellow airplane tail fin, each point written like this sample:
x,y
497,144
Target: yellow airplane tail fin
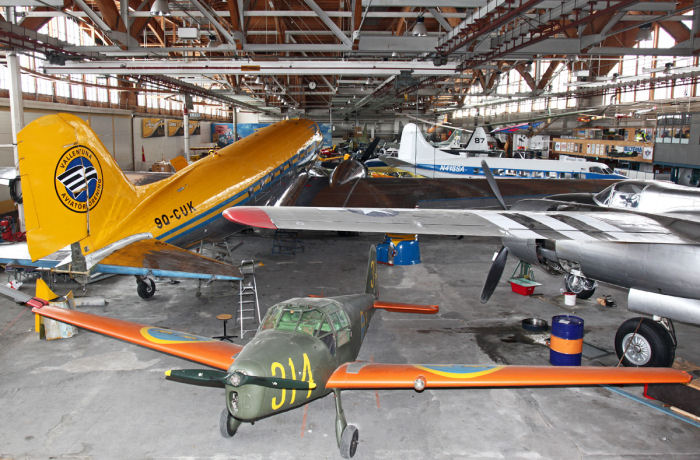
x,y
72,187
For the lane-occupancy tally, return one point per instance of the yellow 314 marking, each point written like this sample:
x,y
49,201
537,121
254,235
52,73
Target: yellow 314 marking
x,y
278,370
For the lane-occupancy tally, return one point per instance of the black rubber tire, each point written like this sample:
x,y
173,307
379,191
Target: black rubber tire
x,y
225,420
661,350
146,288
581,292
349,440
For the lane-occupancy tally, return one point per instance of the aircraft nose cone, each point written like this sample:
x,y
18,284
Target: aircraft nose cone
x,y
244,401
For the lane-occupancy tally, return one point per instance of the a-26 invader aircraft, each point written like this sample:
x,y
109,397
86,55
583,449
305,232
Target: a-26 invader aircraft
x,y
640,235
307,348
76,194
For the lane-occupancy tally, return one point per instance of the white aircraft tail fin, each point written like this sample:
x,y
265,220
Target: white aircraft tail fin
x,y
414,148
477,142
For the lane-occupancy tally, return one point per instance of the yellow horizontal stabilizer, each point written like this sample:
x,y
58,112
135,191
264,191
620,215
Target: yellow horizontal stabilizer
x,y
179,162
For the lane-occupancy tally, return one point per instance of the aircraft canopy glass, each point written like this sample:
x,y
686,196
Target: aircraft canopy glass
x,y
621,195
600,170
307,316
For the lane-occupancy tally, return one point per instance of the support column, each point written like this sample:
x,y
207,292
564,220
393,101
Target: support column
x,y
16,116
186,132
235,123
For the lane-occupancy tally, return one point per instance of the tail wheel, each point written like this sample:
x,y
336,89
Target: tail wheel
x,y
644,344
579,285
349,441
146,288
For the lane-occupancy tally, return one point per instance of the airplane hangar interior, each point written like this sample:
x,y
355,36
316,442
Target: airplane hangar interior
x,y
207,207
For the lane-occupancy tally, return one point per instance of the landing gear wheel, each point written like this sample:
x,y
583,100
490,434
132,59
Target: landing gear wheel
x,y
227,424
579,285
651,346
349,441
146,288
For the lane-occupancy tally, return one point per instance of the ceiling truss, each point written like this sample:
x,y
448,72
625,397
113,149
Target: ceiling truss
x,y
357,55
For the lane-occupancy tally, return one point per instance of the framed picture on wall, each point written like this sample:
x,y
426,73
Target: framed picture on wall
x,y
175,128
195,128
152,127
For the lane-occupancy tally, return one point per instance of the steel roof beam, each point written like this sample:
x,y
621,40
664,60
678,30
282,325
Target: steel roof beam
x,y
425,3
214,21
329,23
440,18
249,14
230,67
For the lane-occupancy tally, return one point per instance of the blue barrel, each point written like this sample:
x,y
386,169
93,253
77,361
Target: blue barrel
x,y
566,342
399,250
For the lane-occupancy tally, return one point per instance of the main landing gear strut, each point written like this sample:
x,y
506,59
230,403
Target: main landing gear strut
x,y
581,286
347,436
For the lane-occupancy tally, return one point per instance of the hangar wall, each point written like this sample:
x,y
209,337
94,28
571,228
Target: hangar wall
x,y
119,131
112,126
684,155
162,148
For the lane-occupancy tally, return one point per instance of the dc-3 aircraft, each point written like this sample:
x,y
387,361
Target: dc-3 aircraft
x,y
76,194
640,235
307,348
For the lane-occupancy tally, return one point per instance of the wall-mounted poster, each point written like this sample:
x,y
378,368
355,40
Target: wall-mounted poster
x,y
152,127
175,128
195,128
222,133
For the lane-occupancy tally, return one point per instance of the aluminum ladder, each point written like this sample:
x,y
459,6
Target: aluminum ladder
x,y
249,306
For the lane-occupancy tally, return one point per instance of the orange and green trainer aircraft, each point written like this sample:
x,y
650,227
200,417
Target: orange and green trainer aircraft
x,y
307,348
74,192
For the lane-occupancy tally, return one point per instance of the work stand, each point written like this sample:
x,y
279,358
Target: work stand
x,y
249,306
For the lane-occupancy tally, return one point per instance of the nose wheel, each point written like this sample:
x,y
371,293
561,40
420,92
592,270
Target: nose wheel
x,y
227,424
347,436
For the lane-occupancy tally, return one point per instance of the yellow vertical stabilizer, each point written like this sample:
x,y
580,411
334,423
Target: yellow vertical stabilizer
x,y
72,186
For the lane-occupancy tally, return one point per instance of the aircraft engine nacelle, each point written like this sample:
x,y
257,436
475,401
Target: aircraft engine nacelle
x,y
665,306
659,268
650,267
534,252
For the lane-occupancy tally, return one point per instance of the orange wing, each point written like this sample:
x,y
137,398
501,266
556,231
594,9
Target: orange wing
x,y
202,350
372,375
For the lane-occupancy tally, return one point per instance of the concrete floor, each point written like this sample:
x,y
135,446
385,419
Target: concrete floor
x,y
95,397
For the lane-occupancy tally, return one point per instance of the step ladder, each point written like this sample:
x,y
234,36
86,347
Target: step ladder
x,y
249,306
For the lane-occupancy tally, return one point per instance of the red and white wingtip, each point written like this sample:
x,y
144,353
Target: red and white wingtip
x,y
251,216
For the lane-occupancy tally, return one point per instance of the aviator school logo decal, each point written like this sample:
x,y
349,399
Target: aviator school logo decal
x,y
78,179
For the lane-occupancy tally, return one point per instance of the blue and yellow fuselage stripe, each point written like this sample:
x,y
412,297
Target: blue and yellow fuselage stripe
x,y
179,209
260,187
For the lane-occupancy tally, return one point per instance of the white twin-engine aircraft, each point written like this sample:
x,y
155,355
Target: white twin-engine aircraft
x,y
420,157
